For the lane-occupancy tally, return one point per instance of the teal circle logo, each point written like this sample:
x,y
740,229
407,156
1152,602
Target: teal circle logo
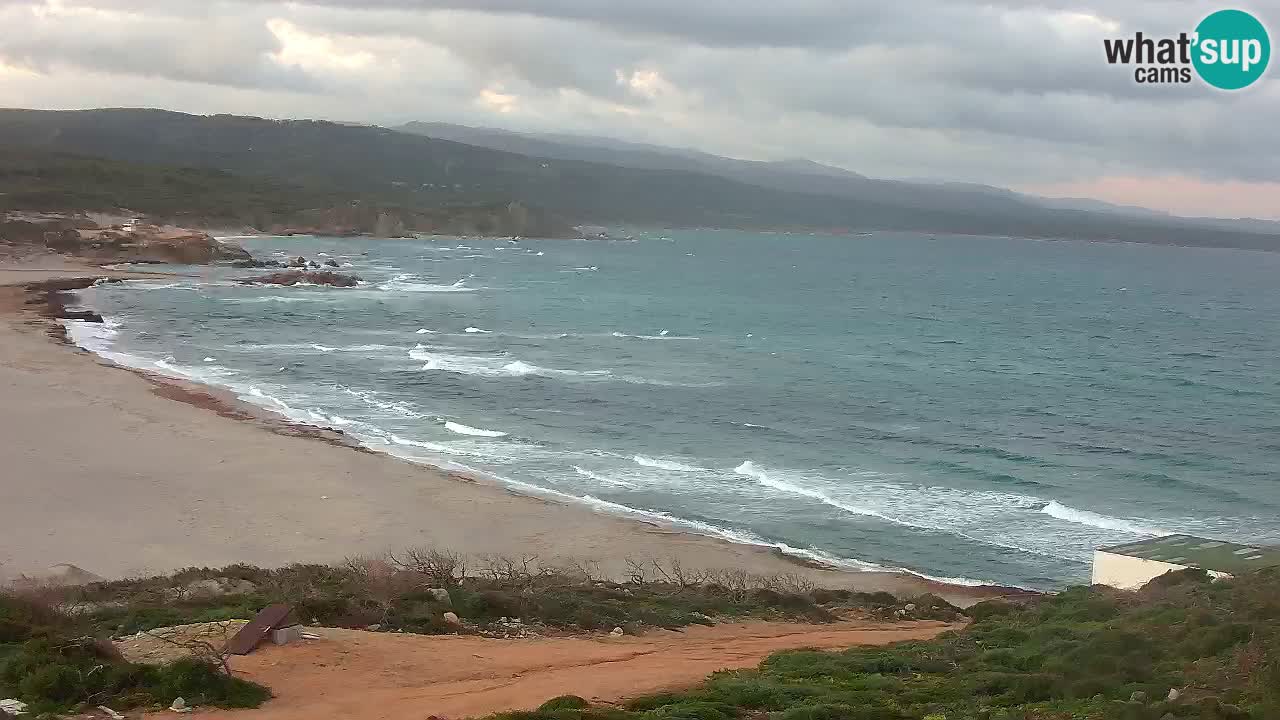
x,y
1232,49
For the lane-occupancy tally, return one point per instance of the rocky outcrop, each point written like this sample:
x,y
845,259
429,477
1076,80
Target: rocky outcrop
x,y
311,277
125,242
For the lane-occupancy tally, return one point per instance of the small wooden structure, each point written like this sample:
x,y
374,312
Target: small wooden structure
x,y
269,619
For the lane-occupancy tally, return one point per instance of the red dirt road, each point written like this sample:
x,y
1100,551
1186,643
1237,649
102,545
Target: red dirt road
x,y
366,676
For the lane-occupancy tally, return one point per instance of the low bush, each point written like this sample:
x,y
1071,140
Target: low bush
x,y
47,661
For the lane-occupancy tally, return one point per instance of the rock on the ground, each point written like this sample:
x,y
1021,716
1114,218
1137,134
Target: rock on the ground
x,y
217,587
12,706
616,632
441,595
313,277
179,705
452,619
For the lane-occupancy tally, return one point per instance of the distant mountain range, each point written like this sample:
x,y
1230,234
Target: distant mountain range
x,y
422,166
798,175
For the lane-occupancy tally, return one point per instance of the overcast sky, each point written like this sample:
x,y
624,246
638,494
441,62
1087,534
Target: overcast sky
x,y
1002,92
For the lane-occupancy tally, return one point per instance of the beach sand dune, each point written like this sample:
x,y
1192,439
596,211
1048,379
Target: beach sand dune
x,y
101,468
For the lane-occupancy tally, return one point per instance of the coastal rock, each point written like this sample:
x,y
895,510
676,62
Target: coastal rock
x,y
133,241
298,262
255,263
331,263
313,277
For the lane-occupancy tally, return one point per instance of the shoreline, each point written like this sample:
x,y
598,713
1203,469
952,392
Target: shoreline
x,y
541,517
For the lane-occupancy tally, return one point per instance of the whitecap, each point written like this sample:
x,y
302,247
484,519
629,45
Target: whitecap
x,y
468,430
601,478
661,464
474,329
406,282
748,469
1093,519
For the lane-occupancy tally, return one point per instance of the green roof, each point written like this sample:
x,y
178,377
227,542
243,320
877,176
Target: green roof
x,y
1201,552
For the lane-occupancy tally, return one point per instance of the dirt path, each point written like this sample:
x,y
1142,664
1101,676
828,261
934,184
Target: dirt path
x,y
365,676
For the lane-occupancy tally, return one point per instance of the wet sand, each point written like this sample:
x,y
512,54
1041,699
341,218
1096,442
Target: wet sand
x,y
125,474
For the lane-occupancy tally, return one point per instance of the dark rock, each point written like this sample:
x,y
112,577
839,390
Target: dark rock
x,y
331,263
85,315
314,277
297,262
255,263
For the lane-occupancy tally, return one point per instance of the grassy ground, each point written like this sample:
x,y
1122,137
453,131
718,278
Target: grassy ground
x,y
1084,654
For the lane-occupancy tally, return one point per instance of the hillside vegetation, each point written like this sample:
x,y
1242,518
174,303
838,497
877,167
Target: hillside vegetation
x,y
417,172
1183,647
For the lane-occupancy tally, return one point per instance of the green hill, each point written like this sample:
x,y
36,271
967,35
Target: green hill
x,y
417,172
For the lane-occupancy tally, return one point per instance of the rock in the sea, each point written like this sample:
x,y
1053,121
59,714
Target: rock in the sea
x,y
298,262
331,262
314,277
255,263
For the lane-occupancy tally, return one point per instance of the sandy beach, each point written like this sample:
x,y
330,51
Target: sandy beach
x,y
124,474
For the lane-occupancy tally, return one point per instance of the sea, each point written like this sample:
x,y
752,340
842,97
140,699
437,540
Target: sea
x,y
972,409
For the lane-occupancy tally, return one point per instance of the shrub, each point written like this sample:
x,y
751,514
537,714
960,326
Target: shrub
x,y
564,702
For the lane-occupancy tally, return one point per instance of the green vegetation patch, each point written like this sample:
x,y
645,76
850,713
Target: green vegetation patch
x,y
52,662
1085,654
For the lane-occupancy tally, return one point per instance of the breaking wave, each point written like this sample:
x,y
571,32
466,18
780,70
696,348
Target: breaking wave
x,y
1093,519
660,464
407,282
468,430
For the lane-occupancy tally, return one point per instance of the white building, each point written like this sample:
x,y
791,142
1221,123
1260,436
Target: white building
x,y
1132,565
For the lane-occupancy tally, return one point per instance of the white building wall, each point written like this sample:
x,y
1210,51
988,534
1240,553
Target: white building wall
x,y
1130,573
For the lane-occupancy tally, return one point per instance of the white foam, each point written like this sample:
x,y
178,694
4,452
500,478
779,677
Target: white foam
x,y
323,348
750,470
664,335
411,283
601,478
468,430
660,464
424,331
474,329
1093,519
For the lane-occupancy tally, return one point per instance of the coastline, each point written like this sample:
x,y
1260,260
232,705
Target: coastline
x,y
128,482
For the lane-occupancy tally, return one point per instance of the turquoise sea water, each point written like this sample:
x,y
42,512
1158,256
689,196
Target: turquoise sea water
x,y
977,408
